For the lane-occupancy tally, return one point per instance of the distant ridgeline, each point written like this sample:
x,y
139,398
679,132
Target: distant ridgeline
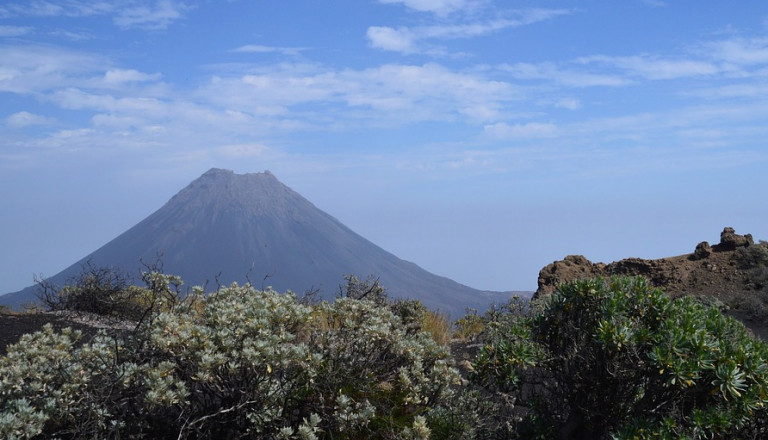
x,y
233,228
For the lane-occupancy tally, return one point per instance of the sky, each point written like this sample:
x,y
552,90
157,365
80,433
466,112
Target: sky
x,y
480,139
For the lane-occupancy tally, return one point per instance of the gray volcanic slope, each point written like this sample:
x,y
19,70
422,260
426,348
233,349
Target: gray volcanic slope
x,y
236,226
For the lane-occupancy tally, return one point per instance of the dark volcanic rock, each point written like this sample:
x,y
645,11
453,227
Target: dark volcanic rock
x,y
703,250
572,267
715,271
229,227
730,240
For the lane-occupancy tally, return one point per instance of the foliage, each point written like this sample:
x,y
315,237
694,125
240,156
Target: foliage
x,y
753,256
617,359
413,314
239,363
369,289
753,261
476,327
470,326
476,411
108,292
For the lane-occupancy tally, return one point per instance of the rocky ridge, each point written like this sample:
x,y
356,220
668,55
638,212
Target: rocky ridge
x,y
732,273
719,270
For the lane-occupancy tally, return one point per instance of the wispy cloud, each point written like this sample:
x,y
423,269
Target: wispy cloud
x,y
145,14
738,51
502,130
121,76
392,92
439,7
567,76
14,31
654,68
242,150
398,40
157,15
417,39
46,8
615,71
239,111
257,48
25,119
568,103
33,69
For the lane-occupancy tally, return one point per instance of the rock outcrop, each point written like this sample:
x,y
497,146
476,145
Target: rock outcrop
x,y
730,240
717,270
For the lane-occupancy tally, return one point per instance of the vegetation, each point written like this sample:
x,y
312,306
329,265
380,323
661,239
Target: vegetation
x,y
754,261
617,359
599,359
239,363
108,292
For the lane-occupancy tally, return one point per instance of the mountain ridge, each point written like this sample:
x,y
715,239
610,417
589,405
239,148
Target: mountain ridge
x,y
230,227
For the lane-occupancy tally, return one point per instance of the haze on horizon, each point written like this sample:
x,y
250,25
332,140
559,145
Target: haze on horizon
x,y
479,139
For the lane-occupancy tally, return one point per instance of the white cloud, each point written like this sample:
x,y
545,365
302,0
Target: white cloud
x,y
439,7
606,71
152,16
387,38
564,76
112,121
568,103
66,8
242,150
747,90
392,92
409,40
502,130
24,119
119,76
739,51
76,99
147,14
257,48
655,68
30,69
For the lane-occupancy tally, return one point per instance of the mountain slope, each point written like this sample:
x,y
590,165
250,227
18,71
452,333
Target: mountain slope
x,y
231,227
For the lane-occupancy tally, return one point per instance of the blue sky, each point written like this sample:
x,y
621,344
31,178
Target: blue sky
x,y
479,139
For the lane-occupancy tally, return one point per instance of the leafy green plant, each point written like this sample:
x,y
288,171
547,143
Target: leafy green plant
x,y
618,359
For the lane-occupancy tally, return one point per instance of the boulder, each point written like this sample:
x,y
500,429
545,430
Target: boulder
x,y
730,240
703,250
572,267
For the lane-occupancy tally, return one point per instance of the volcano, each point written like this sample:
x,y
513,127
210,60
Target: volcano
x,y
225,227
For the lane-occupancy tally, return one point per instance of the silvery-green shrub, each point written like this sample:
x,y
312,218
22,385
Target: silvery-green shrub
x,y
239,363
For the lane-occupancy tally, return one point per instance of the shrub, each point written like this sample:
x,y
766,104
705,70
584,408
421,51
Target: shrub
x,y
753,256
240,363
617,359
106,291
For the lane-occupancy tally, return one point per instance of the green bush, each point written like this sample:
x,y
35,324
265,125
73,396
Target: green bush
x,y
618,359
240,363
